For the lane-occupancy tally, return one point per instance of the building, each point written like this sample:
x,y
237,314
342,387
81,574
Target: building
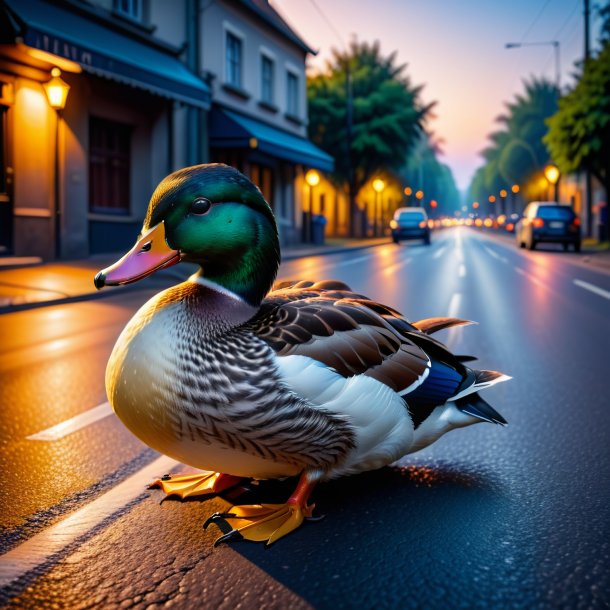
x,y
258,123
77,181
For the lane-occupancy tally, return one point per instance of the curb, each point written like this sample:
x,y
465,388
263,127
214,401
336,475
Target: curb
x,y
92,296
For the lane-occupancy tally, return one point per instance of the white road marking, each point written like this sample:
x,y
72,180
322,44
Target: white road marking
x,y
592,288
529,277
392,268
454,307
496,255
462,270
352,261
439,252
73,424
39,549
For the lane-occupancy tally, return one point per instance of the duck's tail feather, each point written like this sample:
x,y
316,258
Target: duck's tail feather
x,y
432,325
474,405
465,358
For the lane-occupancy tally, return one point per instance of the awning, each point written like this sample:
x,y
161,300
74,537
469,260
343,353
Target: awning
x,y
109,53
232,130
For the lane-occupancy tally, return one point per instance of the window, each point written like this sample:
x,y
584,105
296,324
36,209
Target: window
x,y
109,166
267,79
129,8
292,89
233,60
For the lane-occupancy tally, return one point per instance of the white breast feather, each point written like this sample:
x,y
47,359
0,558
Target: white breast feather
x,y
383,427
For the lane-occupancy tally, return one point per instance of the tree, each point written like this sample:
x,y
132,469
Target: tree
x,y
516,153
386,115
579,133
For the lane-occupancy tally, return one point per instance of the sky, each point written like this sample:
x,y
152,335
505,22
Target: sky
x,y
456,49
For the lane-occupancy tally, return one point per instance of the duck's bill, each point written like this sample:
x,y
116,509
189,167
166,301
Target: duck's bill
x,y
150,254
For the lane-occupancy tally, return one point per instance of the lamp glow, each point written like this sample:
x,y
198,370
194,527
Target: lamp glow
x,y
57,90
551,173
378,185
312,177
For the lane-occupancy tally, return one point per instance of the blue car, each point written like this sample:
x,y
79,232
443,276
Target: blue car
x,y
410,223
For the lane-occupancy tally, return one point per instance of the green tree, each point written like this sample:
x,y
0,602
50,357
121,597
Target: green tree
x,y
579,133
516,152
387,115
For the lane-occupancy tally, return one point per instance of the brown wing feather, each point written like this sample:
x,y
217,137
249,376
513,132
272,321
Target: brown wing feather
x,y
344,330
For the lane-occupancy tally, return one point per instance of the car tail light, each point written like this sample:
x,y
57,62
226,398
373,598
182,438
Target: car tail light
x,y
576,222
510,226
538,223
422,224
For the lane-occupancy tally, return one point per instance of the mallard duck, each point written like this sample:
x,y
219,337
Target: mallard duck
x,y
242,379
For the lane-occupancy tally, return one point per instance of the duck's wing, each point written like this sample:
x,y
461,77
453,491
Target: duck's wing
x,y
346,331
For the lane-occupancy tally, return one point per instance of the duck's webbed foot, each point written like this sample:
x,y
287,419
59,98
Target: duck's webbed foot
x,y
203,483
267,522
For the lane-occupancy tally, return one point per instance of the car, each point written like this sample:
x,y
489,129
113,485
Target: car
x,y
410,223
548,222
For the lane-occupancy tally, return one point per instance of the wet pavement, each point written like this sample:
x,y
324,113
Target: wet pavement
x,y
488,517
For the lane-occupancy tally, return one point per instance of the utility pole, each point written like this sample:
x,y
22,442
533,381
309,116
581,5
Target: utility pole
x,y
588,182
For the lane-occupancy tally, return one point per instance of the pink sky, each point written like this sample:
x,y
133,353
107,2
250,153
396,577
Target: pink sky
x,y
456,48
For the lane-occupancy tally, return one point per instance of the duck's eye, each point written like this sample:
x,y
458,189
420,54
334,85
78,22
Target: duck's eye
x,y
200,206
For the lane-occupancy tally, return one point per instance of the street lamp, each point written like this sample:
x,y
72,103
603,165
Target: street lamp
x,y
553,43
552,174
513,196
378,186
419,195
503,194
313,179
57,94
408,192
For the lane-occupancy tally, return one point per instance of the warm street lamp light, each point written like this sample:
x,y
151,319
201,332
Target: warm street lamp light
x,y
492,199
503,193
57,94
551,173
312,177
378,186
515,188
475,205
419,195
408,191
57,90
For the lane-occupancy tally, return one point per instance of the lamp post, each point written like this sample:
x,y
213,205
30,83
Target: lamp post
x,y
419,195
552,174
313,179
503,194
514,189
57,94
408,192
553,43
378,186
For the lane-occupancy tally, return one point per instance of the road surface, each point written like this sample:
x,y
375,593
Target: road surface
x,y
488,517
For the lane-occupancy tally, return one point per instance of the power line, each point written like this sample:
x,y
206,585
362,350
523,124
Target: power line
x,y
536,19
329,23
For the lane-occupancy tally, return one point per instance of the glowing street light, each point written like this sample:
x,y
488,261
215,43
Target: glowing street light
x,y
419,195
552,174
313,179
515,188
57,90
378,187
408,191
492,199
475,205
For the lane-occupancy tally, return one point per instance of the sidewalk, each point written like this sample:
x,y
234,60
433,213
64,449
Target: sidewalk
x,y
38,285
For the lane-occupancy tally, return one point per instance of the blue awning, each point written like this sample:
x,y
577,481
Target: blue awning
x,y
109,53
232,130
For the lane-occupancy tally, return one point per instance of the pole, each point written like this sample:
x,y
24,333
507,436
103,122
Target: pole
x,y
588,181
348,144
376,213
557,66
57,190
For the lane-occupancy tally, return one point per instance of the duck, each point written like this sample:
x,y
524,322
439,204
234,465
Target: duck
x,y
245,378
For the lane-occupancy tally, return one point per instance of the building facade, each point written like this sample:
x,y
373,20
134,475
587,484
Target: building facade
x,y
258,123
76,180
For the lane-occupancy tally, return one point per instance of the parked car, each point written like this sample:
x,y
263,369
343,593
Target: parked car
x,y
547,221
410,223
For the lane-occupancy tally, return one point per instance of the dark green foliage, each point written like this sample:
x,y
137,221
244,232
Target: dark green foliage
x,y
387,114
579,133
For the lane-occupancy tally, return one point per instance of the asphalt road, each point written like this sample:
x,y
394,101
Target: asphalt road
x,y
488,517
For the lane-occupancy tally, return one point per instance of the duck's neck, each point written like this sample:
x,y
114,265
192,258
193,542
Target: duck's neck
x,y
249,275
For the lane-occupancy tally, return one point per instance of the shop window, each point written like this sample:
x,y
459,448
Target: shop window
x,y
292,91
262,176
129,8
109,166
267,79
233,60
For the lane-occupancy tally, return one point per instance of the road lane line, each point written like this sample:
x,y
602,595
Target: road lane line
x,y
592,288
439,252
496,255
392,268
462,270
454,307
529,276
73,424
41,548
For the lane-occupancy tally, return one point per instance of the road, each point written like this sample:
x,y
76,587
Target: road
x,y
488,517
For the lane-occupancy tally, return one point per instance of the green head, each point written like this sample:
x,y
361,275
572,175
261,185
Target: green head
x,y
214,216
